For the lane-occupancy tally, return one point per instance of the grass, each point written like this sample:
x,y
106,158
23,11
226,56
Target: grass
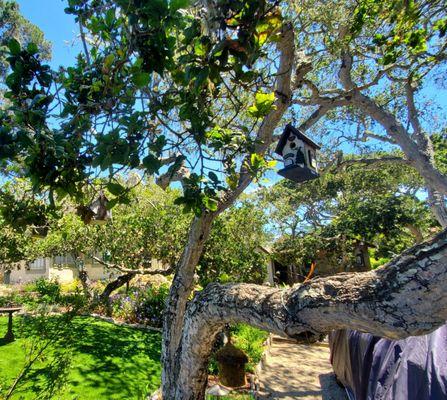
x,y
107,361
250,340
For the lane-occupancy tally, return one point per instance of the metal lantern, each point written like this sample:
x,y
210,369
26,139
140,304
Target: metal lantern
x,y
299,154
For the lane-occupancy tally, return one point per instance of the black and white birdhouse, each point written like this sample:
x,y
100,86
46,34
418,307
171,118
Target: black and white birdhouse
x,y
299,155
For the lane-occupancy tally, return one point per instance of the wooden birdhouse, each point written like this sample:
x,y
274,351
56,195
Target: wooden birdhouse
x,y
97,212
99,209
299,154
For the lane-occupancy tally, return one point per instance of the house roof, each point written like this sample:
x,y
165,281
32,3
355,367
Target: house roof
x,y
287,131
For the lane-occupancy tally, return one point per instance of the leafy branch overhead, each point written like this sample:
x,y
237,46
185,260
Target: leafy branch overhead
x,y
153,81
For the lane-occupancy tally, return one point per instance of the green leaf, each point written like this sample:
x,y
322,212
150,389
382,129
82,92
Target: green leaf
x,y
199,48
151,163
179,4
141,79
32,48
115,188
213,177
112,203
263,104
201,77
110,16
210,203
14,47
108,61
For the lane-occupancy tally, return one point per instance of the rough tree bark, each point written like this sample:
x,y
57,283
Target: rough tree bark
x,y
183,282
181,288
405,297
436,201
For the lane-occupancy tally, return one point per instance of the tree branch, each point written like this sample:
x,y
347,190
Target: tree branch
x,y
412,111
403,298
283,93
140,271
372,161
345,70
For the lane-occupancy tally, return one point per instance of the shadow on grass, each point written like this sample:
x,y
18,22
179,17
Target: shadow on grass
x,y
107,361
125,360
4,341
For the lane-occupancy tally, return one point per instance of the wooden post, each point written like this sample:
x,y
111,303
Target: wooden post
x,y
9,337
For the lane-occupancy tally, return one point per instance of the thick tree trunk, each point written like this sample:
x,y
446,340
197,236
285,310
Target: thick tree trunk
x,y
437,204
403,298
181,289
183,283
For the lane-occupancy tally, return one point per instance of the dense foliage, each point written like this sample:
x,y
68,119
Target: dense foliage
x,y
382,204
151,86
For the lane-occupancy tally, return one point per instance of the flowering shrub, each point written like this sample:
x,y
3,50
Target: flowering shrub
x,y
150,309
143,306
48,291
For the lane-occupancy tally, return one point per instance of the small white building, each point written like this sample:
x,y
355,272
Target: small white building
x,y
61,268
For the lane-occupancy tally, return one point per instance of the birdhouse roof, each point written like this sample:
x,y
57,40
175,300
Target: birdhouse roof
x,y
288,130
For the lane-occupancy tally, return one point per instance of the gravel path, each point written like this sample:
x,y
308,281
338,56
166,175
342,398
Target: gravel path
x,y
299,372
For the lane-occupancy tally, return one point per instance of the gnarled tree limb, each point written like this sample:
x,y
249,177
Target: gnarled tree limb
x,y
139,271
403,298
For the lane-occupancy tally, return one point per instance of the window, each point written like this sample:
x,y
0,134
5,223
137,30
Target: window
x,y
41,264
64,260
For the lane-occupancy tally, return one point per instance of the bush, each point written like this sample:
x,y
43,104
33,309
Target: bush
x,y
151,306
250,340
143,306
49,291
17,299
375,263
71,287
75,300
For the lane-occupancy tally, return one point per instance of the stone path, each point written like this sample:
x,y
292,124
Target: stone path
x,y
299,372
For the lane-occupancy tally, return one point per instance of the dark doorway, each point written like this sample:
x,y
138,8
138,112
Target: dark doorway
x,y
281,276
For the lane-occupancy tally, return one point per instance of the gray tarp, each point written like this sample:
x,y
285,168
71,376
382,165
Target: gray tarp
x,y
371,367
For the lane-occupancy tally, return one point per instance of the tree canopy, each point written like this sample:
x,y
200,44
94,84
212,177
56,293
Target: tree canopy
x,y
195,92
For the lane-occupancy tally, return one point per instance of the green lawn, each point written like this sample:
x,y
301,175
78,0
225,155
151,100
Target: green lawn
x,y
107,361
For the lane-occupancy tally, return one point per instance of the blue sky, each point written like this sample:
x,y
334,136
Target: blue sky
x,y
62,30
59,28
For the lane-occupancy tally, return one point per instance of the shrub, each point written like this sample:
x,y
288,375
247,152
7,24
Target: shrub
x,y
375,263
17,299
144,306
71,287
250,340
151,306
49,291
